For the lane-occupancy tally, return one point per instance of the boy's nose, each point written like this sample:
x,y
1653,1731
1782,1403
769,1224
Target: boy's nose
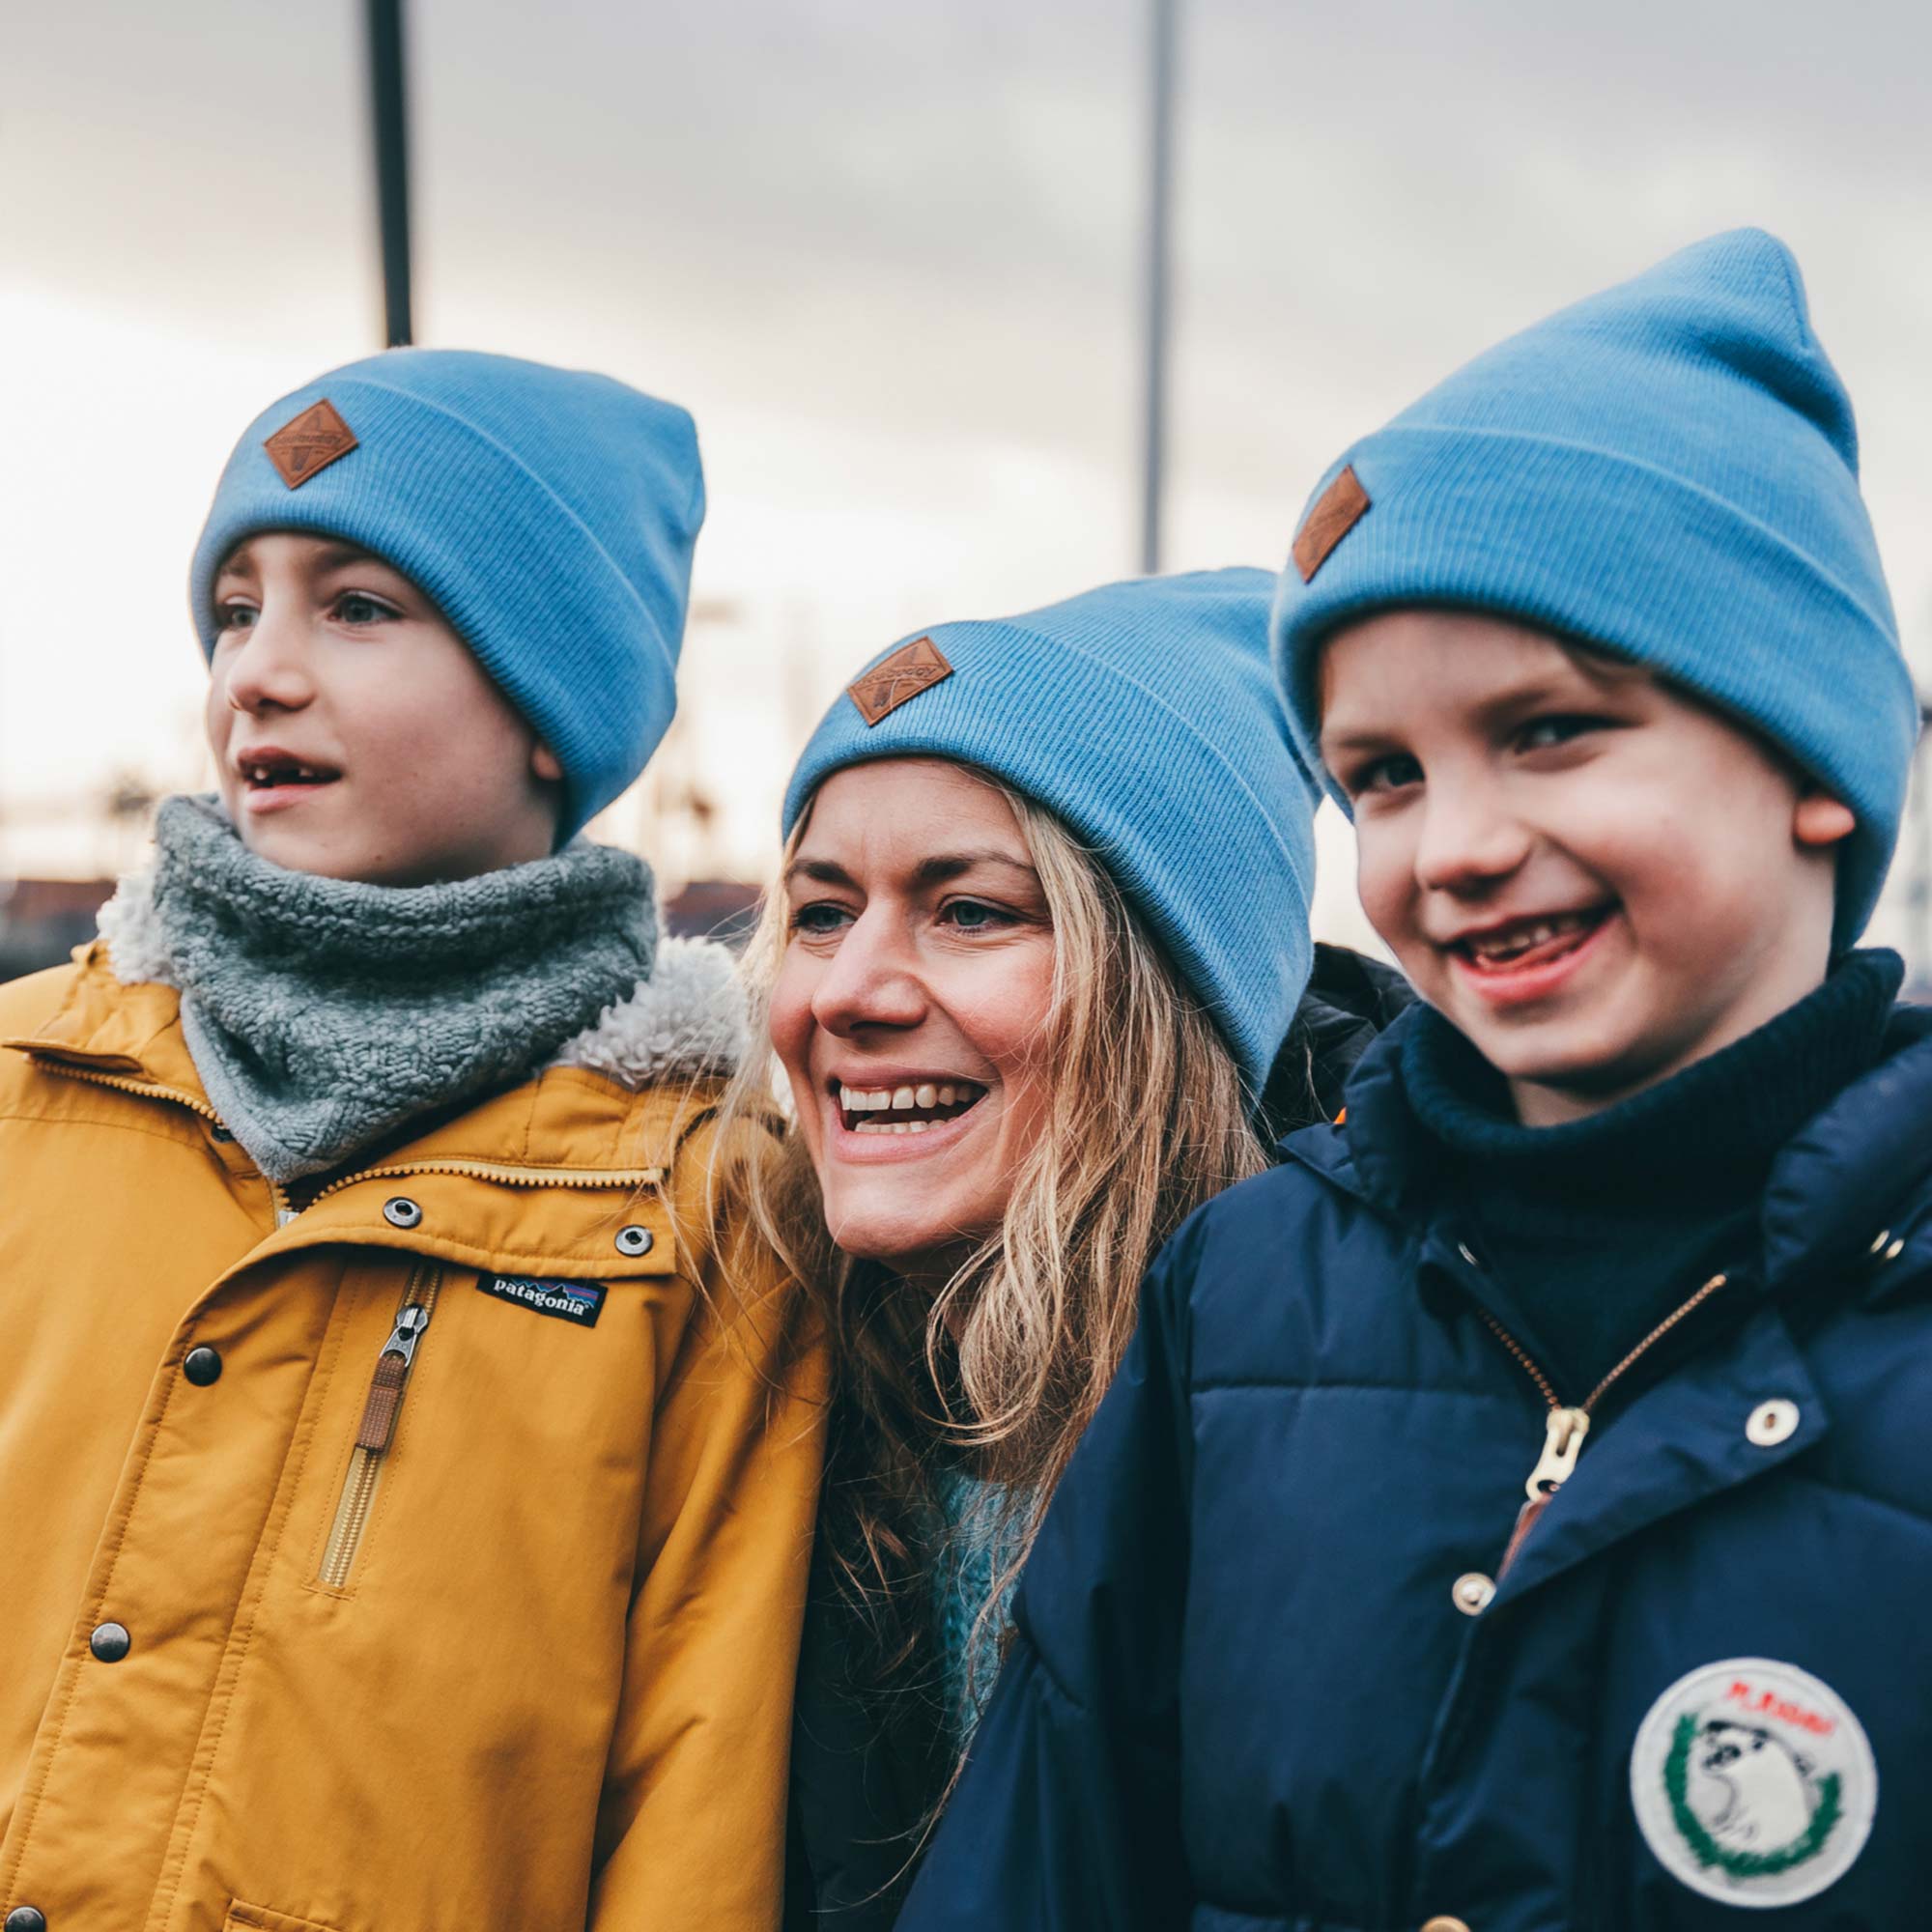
x,y
269,670
870,981
1469,844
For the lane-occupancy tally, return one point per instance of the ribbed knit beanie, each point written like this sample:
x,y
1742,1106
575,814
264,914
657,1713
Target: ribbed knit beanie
x,y
549,513
1144,715
1670,470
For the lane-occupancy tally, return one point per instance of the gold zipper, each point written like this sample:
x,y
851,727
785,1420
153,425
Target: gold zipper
x,y
508,1176
1566,1429
278,1198
378,1429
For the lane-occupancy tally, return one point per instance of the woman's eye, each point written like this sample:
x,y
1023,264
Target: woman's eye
x,y
822,917
974,916
357,606
234,615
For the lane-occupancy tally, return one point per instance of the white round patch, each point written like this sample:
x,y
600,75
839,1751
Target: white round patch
x,y
1753,1783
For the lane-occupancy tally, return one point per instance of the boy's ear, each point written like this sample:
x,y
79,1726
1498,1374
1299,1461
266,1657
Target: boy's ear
x,y
544,763
1820,818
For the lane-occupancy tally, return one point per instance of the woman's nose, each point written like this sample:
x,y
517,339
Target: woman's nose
x,y
871,980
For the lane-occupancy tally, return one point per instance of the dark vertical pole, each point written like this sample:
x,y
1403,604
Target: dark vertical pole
x,y
390,115
1160,196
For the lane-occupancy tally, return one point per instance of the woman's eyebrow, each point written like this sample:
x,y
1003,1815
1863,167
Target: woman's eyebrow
x,y
933,871
942,867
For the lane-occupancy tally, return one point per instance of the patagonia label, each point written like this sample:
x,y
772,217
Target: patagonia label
x,y
1343,505
578,1301
1753,1783
310,443
910,669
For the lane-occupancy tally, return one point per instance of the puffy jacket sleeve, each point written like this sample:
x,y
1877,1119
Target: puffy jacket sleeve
x,y
693,1822
1067,1818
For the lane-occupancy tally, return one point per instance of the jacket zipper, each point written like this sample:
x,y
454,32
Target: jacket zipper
x,y
1566,1429
286,1211
378,1429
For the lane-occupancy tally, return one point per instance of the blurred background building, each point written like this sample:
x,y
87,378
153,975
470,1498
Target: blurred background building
x,y
896,263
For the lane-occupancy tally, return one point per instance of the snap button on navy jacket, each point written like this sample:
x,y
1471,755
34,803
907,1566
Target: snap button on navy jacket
x,y
1256,1686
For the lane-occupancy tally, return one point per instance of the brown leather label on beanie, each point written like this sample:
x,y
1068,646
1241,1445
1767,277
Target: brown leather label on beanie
x,y
1343,505
315,439
910,669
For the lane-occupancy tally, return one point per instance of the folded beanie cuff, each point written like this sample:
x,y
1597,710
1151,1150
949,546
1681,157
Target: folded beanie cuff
x,y
1669,576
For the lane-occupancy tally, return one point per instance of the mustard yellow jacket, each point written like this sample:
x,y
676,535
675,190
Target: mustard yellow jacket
x,y
431,1559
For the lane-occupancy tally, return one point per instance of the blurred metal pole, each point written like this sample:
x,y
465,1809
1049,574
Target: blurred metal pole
x,y
1160,196
390,112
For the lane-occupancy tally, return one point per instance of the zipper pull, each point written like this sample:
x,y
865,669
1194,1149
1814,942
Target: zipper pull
x,y
1562,1443
386,1385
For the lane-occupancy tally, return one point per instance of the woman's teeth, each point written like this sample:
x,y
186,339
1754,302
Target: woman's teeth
x,y
917,1108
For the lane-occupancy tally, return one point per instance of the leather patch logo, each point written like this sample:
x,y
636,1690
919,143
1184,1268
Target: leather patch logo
x,y
580,1302
910,669
1343,505
309,444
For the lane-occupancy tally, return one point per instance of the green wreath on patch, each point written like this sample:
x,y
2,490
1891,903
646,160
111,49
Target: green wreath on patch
x,y
1743,1864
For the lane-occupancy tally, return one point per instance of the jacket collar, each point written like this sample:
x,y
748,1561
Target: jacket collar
x,y
1859,1169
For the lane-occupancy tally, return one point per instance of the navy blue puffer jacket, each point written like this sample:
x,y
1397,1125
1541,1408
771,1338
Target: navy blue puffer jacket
x,y
1273,1672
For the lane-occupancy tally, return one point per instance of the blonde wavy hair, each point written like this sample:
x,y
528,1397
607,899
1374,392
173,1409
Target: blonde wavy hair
x,y
1146,1116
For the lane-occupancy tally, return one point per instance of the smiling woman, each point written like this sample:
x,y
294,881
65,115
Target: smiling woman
x,y
1041,928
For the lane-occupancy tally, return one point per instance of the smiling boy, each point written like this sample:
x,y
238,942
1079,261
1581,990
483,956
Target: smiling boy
x,y
406,1484
1512,1515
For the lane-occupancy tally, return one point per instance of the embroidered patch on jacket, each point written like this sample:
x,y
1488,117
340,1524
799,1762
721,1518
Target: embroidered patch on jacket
x,y
1753,1782
578,1301
910,669
310,443
1343,505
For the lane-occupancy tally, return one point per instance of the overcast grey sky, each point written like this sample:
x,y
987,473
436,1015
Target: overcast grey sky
x,y
889,257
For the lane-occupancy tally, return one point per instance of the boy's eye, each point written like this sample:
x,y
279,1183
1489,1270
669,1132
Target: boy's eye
x,y
1394,773
357,606
1542,734
235,613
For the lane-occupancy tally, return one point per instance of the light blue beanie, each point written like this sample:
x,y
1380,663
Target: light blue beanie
x,y
1144,715
1668,469
549,513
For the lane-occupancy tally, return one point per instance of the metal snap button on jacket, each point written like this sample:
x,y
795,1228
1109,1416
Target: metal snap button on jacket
x,y
401,1211
203,1365
110,1643
26,1918
1471,1593
633,1240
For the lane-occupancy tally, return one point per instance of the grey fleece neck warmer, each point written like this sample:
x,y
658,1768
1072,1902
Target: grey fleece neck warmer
x,y
323,1013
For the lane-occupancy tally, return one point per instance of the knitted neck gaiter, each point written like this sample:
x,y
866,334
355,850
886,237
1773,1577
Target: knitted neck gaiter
x,y
1596,1230
323,1013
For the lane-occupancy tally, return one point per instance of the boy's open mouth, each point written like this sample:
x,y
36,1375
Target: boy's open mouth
x,y
1523,943
275,769
908,1109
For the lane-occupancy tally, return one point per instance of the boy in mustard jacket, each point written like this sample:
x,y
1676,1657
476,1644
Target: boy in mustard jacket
x,y
406,1485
